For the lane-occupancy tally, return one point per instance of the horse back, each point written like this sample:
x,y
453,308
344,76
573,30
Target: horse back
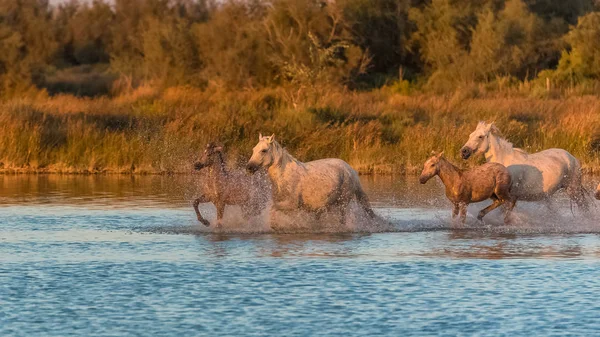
x,y
327,180
483,180
555,159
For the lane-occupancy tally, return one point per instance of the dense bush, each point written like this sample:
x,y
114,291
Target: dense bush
x,y
264,43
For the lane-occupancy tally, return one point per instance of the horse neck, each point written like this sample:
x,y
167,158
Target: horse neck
x,y
501,151
282,161
218,168
449,174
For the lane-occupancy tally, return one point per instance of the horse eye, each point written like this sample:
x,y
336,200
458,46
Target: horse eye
x,y
480,137
264,151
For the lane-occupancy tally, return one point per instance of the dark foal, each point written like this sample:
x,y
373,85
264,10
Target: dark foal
x,y
228,187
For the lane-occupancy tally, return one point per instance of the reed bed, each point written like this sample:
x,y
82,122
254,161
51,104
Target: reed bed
x,y
151,130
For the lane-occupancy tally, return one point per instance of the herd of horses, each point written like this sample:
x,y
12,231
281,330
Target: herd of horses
x,y
327,185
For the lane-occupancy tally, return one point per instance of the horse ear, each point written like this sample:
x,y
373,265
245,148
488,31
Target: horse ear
x,y
440,154
433,153
260,136
272,138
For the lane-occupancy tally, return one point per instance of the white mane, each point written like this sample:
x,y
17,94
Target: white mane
x,y
503,144
282,157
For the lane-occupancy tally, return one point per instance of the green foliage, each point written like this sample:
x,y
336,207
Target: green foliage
x,y
439,44
27,43
232,46
507,42
443,29
583,60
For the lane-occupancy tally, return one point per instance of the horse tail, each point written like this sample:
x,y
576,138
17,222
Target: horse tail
x,y
575,188
363,200
589,196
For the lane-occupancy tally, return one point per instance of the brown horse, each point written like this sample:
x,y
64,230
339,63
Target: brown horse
x,y
228,187
598,192
488,181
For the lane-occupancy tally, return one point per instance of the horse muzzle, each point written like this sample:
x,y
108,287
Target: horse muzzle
x,y
199,166
423,179
466,152
251,168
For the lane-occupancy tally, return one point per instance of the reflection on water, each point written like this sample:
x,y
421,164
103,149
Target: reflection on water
x,y
122,255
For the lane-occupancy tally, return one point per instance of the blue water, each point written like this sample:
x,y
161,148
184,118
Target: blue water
x,y
106,256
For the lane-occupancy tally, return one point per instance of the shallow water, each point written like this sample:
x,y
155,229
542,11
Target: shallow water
x,y
120,255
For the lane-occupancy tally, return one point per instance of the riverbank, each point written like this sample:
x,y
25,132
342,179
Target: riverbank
x,y
162,131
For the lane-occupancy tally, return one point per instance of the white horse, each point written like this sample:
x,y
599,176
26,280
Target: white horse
x,y
315,186
535,176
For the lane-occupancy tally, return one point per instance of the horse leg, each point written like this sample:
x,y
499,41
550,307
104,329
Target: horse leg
x,y
363,200
455,210
502,192
495,204
343,209
248,211
462,212
220,212
576,192
197,202
508,207
286,207
550,204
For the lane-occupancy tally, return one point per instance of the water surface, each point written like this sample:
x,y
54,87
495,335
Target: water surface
x,y
121,255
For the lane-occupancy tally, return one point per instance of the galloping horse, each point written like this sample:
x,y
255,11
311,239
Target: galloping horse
x,y
315,186
488,181
227,187
535,176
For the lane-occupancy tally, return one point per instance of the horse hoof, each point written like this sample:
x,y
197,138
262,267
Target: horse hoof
x,y
204,222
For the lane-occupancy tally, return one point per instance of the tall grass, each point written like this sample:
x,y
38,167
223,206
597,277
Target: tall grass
x,y
150,130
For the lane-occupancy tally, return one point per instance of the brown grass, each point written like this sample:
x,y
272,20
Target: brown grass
x,y
147,130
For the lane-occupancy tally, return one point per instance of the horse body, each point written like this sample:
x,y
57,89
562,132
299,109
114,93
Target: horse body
x,y
315,186
539,175
535,176
488,181
224,187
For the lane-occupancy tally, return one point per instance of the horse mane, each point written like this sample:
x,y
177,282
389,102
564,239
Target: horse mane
x,y
503,143
282,156
444,159
221,157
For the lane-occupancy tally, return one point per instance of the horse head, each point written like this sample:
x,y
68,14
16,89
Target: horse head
x,y
263,154
479,140
431,167
211,154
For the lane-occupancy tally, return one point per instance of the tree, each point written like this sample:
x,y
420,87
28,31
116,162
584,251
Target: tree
x,y
27,41
583,60
506,43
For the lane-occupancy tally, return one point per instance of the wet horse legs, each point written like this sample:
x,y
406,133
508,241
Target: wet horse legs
x,y
497,203
197,202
